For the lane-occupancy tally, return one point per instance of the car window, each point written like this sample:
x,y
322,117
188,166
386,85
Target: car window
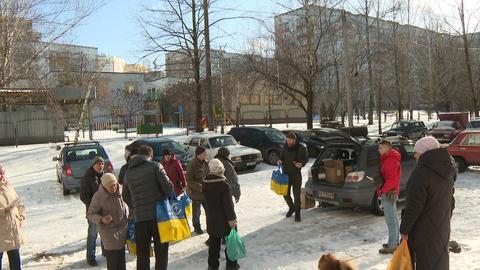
x,y
204,143
194,142
275,135
472,140
373,157
409,150
159,147
446,124
474,124
217,142
84,154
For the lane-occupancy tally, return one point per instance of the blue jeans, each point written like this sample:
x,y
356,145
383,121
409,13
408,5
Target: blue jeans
x,y
13,259
91,241
390,211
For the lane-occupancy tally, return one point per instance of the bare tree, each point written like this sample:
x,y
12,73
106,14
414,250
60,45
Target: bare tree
x,y
127,103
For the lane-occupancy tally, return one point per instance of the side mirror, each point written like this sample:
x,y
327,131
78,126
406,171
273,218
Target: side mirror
x,y
55,159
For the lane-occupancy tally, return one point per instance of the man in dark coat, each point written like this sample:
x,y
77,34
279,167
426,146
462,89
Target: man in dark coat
x,y
426,217
145,184
230,174
294,156
197,170
88,187
220,212
130,151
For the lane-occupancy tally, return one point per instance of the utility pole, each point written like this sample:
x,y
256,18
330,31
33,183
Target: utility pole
x,y
346,67
208,68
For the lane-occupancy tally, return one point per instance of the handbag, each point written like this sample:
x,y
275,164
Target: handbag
x,y
279,182
186,203
235,246
172,221
401,258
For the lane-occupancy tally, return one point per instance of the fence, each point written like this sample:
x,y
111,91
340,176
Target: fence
x,y
101,127
29,127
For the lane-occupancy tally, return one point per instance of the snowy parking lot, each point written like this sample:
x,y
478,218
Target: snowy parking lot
x,y
56,225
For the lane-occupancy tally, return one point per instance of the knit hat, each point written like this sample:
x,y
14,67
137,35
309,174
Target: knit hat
x,y
426,144
108,179
224,152
215,166
291,135
200,150
96,160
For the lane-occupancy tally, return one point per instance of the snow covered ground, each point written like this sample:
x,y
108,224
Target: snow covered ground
x,y
56,225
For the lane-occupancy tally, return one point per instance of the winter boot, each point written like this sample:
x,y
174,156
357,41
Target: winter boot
x,y
387,250
290,212
198,230
297,216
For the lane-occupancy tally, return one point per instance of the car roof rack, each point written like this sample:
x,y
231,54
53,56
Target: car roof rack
x,y
82,143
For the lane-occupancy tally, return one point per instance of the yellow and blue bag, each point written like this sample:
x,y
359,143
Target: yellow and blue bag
x,y
279,182
187,204
131,244
172,221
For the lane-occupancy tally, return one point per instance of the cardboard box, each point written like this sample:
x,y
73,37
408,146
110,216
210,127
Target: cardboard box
x,y
335,172
307,203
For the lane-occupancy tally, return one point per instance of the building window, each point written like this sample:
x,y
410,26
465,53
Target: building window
x,y
245,99
273,99
250,99
255,99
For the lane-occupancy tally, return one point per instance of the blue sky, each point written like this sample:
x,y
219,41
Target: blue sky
x,y
114,30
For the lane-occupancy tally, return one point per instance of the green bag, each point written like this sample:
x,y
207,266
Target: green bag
x,y
235,246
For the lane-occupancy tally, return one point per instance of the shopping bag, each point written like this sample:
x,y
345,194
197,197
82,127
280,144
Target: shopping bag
x,y
401,258
172,221
235,246
279,182
131,244
187,204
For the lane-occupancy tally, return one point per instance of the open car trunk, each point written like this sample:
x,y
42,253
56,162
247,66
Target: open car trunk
x,y
335,163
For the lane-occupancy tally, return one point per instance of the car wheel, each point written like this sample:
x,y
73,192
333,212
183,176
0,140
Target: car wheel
x,y
461,165
377,206
251,167
273,157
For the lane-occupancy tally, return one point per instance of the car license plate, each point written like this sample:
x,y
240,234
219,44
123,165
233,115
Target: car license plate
x,y
326,195
251,163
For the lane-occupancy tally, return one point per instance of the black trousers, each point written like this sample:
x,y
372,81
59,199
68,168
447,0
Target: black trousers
x,y
144,231
295,183
196,212
115,259
214,246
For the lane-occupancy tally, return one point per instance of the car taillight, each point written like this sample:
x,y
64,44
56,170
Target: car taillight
x,y
355,177
68,170
110,167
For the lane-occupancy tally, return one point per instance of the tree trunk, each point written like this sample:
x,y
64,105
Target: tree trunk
x,y
208,68
380,79
196,67
398,90
309,106
346,64
371,89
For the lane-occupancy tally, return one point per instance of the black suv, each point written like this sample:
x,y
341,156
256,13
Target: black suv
x,y
269,141
357,167
413,130
160,144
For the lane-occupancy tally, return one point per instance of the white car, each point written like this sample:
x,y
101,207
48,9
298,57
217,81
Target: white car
x,y
242,157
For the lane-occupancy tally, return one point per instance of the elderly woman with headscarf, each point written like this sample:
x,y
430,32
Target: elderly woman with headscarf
x,y
426,217
11,222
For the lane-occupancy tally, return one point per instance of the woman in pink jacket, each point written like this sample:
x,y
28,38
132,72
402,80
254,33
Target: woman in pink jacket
x,y
12,216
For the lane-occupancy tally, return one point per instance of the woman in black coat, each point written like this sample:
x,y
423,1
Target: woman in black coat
x,y
427,213
219,209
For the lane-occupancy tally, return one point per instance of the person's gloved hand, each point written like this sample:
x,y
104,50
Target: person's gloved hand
x,y
237,199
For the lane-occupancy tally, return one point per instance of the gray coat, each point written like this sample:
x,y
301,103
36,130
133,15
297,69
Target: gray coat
x,y
231,176
104,203
145,184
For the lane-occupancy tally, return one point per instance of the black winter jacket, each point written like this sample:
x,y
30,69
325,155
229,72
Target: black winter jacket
x,y
219,207
145,184
89,185
296,153
427,214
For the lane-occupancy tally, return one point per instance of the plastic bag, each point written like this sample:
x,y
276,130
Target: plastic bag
x,y
279,182
172,221
235,246
401,258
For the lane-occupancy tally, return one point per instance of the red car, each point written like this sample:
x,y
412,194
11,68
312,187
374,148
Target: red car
x,y
465,149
